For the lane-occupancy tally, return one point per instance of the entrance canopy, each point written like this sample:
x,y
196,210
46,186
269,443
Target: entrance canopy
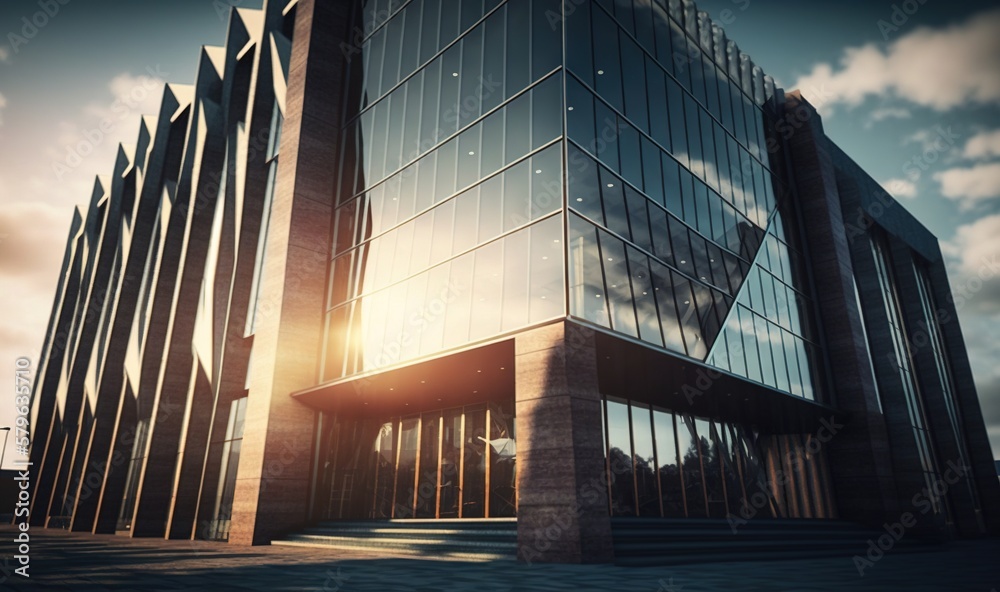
x,y
477,375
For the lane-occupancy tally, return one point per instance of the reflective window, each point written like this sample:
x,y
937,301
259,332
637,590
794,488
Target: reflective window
x,y
406,468
676,465
644,461
903,362
622,483
607,61
689,447
616,277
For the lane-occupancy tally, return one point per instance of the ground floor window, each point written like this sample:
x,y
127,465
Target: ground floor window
x,y
661,463
136,460
222,511
448,463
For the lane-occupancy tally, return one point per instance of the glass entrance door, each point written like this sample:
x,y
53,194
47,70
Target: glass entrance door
x,y
449,463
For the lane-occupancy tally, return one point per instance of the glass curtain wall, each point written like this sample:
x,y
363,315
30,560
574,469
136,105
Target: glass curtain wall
x,y
902,361
935,340
446,226
450,463
679,234
673,465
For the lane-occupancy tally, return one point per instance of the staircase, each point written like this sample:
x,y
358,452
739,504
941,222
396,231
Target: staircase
x,y
637,541
648,542
468,540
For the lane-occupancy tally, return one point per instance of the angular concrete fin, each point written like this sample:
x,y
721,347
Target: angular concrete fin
x,y
216,56
281,55
101,186
182,95
126,157
252,20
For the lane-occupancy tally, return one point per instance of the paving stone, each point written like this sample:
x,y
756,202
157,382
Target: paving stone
x,y
63,561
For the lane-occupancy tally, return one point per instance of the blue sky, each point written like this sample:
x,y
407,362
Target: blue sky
x,y
912,93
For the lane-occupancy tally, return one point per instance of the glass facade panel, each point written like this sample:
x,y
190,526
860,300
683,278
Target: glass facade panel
x,y
406,468
406,217
621,475
473,503
644,461
502,451
668,465
690,450
675,237
427,480
433,465
714,475
676,465
903,364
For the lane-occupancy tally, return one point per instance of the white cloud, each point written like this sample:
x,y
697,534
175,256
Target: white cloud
x,y
3,103
87,145
30,233
4,54
32,236
936,68
983,145
886,113
900,188
925,138
131,97
973,260
976,247
972,185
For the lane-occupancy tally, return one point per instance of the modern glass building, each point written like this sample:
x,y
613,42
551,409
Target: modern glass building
x,y
559,263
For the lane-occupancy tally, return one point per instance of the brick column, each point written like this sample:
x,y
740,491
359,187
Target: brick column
x,y
859,456
973,423
562,514
273,479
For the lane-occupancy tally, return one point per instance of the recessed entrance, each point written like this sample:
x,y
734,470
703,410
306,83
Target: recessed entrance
x,y
449,463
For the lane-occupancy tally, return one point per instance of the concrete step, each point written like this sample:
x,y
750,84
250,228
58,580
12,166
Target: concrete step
x,y
474,540
639,542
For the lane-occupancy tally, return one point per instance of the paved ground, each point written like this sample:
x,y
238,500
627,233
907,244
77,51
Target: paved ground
x,y
63,561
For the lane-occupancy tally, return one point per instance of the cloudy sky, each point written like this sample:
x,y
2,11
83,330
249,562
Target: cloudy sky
x,y
912,97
